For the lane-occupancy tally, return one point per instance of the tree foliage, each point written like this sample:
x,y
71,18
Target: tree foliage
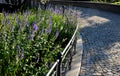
x,y
14,2
107,0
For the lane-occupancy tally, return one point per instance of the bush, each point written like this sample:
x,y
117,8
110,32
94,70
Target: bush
x,y
116,2
30,41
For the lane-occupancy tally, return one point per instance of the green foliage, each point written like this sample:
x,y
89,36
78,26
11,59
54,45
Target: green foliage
x,y
44,1
30,41
110,1
116,2
14,2
1,16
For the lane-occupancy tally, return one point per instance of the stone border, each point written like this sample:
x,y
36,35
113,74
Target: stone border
x,y
102,6
76,61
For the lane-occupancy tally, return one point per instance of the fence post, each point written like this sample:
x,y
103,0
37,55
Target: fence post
x,y
70,58
59,64
63,8
74,44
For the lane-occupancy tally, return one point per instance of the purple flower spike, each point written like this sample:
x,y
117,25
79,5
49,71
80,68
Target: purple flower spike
x,y
50,21
3,10
51,24
32,36
21,27
42,30
5,14
19,22
57,34
35,27
12,28
19,48
39,8
17,19
48,30
38,59
3,22
8,21
22,55
57,11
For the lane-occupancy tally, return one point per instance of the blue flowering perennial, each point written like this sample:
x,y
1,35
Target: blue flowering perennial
x,y
30,41
57,33
22,55
35,27
19,50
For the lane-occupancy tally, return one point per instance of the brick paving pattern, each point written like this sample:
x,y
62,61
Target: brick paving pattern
x,y
101,43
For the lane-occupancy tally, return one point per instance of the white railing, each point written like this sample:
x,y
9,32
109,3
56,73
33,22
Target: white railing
x,y
63,63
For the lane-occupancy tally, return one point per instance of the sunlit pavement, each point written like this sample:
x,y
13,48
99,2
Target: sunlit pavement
x,y
101,43
100,33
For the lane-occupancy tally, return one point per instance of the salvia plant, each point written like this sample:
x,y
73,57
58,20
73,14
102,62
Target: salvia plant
x,y
31,40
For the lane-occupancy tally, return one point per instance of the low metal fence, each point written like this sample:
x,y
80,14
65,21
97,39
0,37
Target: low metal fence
x,y
63,62
64,58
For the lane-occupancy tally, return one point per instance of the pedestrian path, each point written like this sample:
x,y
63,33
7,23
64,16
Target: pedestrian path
x,y
101,43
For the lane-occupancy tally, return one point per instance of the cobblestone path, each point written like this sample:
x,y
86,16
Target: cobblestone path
x,y
101,43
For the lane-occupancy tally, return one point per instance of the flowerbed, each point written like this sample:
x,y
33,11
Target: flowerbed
x,y
30,41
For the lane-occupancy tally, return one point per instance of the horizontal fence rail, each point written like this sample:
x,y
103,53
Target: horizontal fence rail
x,y
63,63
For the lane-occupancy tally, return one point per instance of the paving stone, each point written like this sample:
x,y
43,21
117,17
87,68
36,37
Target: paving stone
x,y
101,48
97,74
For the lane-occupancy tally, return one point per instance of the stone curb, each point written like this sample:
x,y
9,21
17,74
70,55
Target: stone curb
x,y
76,62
